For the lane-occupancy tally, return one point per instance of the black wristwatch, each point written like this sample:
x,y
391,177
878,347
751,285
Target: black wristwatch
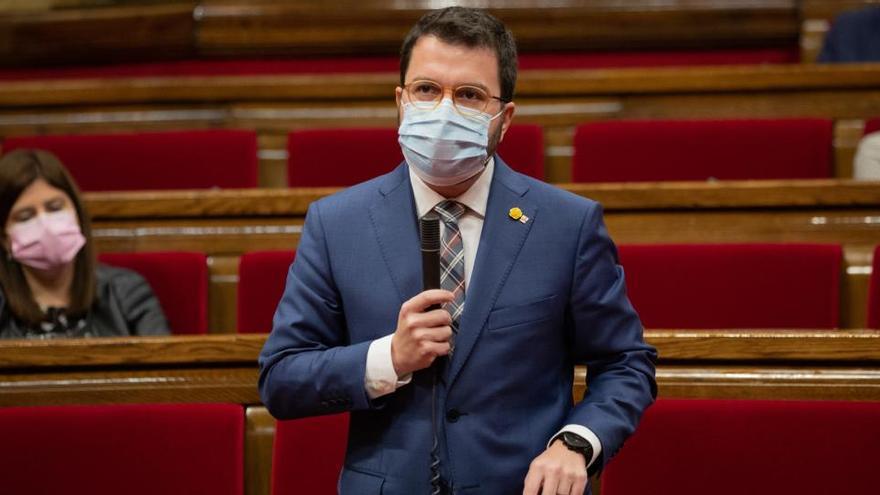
x,y
577,444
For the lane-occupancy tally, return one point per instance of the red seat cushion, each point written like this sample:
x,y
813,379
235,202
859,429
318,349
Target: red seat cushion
x,y
153,160
658,150
180,282
308,455
344,157
731,447
133,449
874,292
261,279
872,125
734,285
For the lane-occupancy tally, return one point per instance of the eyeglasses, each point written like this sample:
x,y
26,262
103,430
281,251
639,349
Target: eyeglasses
x,y
467,100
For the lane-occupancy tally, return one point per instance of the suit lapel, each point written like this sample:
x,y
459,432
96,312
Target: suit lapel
x,y
500,243
393,216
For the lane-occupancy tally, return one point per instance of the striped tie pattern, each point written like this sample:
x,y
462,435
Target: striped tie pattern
x,y
452,258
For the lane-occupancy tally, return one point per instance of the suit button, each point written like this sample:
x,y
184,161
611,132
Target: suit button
x,y
452,415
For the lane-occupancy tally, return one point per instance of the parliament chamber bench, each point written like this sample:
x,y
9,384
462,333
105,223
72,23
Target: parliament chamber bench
x,y
228,223
556,100
745,366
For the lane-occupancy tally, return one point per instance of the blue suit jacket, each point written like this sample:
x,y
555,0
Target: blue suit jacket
x,y
544,295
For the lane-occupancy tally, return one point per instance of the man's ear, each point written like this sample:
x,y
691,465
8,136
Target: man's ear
x,y
398,93
507,118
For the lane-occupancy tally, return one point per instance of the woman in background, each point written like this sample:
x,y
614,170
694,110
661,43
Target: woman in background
x,y
50,283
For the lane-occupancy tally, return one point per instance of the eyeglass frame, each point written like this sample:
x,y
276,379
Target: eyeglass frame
x,y
438,101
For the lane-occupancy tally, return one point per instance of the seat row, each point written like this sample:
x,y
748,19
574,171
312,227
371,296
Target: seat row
x,y
681,447
607,151
671,286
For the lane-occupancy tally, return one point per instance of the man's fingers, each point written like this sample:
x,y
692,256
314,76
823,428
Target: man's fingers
x,y
436,334
424,300
564,486
533,482
551,483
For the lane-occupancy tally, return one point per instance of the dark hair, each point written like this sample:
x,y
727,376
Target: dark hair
x,y
472,28
18,170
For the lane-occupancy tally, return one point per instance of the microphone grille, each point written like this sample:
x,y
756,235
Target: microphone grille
x,y
429,226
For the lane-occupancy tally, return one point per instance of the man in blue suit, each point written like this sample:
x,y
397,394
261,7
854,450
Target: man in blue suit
x,y
530,287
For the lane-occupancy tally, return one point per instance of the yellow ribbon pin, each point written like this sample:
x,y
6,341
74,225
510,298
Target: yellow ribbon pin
x,y
515,213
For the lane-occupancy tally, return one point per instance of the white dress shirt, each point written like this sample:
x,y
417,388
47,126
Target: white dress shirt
x,y
381,379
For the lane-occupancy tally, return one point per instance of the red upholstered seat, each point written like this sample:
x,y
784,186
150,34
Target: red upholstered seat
x,y
180,282
872,125
172,449
659,150
874,292
344,157
261,279
153,160
734,285
308,454
732,447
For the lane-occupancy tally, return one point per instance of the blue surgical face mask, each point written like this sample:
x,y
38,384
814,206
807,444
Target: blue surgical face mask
x,y
442,146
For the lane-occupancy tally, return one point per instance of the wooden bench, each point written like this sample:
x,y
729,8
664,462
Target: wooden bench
x,y
735,364
557,100
225,224
85,33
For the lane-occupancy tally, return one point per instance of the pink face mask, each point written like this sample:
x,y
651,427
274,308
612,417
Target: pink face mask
x,y
47,241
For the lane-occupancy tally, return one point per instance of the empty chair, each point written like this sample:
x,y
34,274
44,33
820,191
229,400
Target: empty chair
x,y
261,279
734,285
172,449
308,454
180,282
661,150
730,447
153,160
874,292
344,157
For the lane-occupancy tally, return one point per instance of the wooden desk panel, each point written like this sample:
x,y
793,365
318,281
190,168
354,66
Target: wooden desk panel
x,y
747,364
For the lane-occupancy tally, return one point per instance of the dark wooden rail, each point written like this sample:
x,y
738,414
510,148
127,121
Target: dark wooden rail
x,y
98,32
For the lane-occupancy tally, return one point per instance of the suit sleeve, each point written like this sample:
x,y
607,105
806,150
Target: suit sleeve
x,y
608,338
307,366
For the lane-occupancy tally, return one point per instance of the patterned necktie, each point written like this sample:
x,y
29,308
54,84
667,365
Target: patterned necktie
x,y
452,259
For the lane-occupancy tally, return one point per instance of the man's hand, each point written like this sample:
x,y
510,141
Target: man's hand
x,y
558,470
421,337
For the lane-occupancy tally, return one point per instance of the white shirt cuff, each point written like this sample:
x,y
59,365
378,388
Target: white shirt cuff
x,y
587,434
380,378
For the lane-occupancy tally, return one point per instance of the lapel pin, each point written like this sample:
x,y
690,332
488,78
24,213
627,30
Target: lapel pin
x,y
517,214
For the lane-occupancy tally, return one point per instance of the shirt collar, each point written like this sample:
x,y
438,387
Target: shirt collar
x,y
475,198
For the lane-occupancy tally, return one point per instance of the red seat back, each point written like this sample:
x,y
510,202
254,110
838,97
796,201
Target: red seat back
x,y
344,157
153,160
659,150
180,282
172,449
874,292
872,125
731,447
261,279
308,455
734,285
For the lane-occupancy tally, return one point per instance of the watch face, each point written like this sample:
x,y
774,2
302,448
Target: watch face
x,y
575,440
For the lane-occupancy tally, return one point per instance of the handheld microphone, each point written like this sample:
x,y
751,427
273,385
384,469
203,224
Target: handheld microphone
x,y
429,227
429,233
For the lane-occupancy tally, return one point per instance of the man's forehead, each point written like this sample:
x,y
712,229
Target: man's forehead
x,y
453,63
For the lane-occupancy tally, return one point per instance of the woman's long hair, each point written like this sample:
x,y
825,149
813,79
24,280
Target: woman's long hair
x,y
18,170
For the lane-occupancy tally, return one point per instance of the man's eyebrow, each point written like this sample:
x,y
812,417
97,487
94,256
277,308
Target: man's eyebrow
x,y
474,84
